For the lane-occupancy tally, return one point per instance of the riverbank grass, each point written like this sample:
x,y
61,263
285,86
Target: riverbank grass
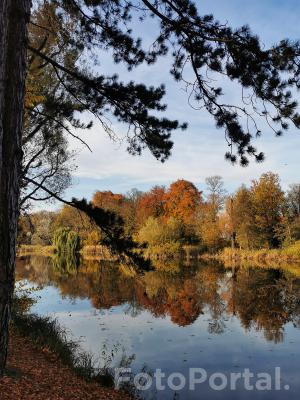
x,y
287,254
47,334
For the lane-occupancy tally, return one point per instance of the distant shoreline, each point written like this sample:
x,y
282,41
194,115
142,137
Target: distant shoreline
x,y
27,250
288,255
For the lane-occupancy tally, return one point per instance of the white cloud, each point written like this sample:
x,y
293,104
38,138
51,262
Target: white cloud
x,y
196,155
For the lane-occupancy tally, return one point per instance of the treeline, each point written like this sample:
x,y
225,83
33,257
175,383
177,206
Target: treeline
x,y
165,219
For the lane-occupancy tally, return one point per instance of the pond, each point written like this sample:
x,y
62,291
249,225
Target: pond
x,y
207,321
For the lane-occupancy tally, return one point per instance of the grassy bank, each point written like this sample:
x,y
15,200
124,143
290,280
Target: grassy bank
x,y
290,254
46,335
35,373
101,252
27,250
168,251
98,251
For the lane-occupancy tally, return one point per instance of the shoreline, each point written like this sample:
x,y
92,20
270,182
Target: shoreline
x,y
289,255
37,373
96,251
38,344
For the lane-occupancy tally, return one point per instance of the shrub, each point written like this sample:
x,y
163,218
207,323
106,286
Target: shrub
x,y
155,232
163,239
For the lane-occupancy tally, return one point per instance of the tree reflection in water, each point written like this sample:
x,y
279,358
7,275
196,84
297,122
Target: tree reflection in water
x,y
263,299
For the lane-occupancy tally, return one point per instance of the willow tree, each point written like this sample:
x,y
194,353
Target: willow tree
x,y
197,44
66,241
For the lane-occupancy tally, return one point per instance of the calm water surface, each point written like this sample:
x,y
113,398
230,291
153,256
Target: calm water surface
x,y
222,319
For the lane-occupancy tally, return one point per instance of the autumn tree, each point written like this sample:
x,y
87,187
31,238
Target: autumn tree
x,y
46,158
208,228
118,203
268,202
124,205
130,210
25,230
70,218
208,224
42,227
109,201
242,217
151,204
181,201
66,241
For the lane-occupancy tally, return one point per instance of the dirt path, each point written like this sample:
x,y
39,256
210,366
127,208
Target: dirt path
x,y
36,374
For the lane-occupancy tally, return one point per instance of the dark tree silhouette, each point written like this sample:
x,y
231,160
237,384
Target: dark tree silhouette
x,y
198,44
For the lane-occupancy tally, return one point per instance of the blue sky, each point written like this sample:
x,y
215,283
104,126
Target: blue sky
x,y
199,151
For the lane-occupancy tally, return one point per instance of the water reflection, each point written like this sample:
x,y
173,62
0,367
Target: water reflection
x,y
263,299
212,313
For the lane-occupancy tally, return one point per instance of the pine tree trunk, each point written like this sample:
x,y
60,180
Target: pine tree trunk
x,y
14,15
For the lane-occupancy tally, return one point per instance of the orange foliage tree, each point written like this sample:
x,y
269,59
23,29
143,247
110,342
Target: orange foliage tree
x,y
109,201
182,201
151,204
